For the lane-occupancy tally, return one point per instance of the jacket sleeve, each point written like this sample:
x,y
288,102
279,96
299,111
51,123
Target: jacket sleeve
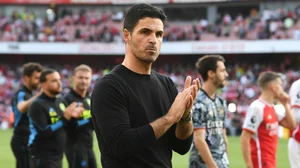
x,y
178,145
40,119
75,123
110,116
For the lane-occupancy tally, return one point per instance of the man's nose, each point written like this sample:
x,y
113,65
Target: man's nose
x,y
153,38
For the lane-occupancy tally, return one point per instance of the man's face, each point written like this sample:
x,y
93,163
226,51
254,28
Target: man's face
x,y
220,76
53,83
82,80
146,39
34,80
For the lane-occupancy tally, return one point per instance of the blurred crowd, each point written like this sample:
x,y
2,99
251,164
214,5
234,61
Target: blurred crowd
x,y
90,25
84,26
268,24
241,90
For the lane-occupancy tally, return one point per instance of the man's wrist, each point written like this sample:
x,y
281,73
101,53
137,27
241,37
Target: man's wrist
x,y
168,119
67,116
286,105
187,117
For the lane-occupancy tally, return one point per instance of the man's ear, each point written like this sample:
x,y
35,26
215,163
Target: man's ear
x,y
210,74
126,35
272,86
43,86
72,78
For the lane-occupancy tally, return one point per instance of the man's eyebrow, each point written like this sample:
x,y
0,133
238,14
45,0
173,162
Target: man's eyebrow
x,y
148,29
145,28
160,31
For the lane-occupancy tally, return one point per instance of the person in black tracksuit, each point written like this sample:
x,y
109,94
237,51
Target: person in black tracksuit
x,y
47,122
20,102
138,115
79,146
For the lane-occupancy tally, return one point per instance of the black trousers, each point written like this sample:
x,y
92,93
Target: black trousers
x,y
19,148
80,157
36,162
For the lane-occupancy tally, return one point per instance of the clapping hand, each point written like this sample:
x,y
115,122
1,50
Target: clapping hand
x,y
284,98
73,110
196,87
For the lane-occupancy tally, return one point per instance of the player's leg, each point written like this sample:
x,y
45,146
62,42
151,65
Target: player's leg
x,y
33,161
19,151
70,155
48,163
51,163
80,157
294,153
91,159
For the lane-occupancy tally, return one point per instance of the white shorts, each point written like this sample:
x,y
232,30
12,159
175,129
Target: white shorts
x,y
294,153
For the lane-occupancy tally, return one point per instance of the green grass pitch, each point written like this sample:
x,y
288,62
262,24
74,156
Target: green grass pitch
x,y
235,155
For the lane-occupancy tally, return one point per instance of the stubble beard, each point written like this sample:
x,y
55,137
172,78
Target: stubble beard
x,y
147,57
33,86
55,91
219,83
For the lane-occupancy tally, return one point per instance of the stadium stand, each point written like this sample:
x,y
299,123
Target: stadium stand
x,y
98,26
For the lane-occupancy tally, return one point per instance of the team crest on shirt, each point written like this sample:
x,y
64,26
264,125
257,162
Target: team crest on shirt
x,y
52,112
53,115
62,106
269,117
88,101
211,113
221,110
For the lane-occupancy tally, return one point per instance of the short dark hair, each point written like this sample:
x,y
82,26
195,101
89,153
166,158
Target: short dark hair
x,y
208,63
43,77
266,77
29,68
140,11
